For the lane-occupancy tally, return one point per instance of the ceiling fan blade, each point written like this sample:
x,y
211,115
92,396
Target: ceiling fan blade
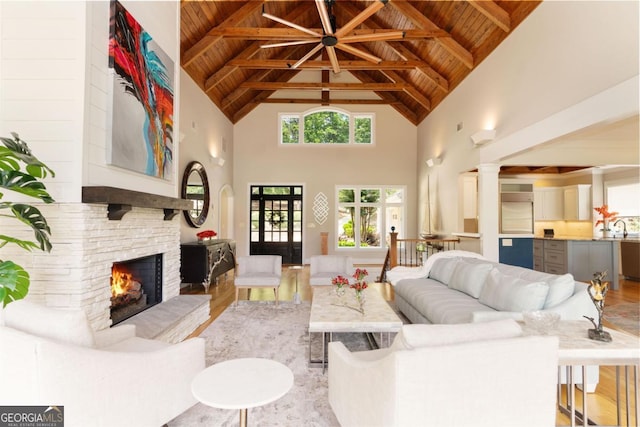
x,y
392,35
324,17
289,24
308,55
284,44
357,52
333,58
360,18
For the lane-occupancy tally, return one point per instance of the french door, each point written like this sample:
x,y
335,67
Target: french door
x,y
276,222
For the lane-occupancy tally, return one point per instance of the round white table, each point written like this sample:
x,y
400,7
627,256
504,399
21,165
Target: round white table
x,y
241,384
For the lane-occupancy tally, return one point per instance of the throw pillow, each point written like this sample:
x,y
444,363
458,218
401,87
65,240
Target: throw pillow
x,y
61,325
510,293
416,336
560,289
442,269
469,277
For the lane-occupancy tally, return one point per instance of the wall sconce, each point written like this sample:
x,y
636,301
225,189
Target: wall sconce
x,y
483,136
218,160
433,162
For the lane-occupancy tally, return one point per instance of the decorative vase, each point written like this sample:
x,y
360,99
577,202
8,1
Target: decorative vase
x,y
606,233
340,290
360,299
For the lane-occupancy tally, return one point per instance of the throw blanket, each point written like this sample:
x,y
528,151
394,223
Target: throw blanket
x,y
398,273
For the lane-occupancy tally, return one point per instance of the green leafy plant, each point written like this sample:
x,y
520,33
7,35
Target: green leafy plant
x,y
21,172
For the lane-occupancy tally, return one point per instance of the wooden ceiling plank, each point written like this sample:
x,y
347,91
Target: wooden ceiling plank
x,y
440,81
360,18
421,21
493,12
329,102
251,33
209,40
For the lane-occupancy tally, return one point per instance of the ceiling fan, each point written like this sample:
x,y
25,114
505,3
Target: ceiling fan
x,y
333,38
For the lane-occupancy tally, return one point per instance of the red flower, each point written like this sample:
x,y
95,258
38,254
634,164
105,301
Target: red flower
x,y
206,233
360,274
340,281
359,286
606,215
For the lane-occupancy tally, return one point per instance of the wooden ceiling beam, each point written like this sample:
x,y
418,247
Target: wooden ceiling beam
x,y
410,90
211,38
331,101
290,34
381,87
258,99
493,12
282,64
448,42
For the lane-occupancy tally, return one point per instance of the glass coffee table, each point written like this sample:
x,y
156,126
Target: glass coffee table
x,y
329,315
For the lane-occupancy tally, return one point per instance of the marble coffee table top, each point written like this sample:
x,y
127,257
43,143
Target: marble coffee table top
x,y
327,315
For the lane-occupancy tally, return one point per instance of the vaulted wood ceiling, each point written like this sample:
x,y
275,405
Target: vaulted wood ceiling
x,y
221,49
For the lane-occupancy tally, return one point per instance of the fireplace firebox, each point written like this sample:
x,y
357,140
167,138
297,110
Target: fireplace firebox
x,y
136,285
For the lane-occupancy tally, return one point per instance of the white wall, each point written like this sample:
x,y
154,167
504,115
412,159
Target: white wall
x,y
206,132
259,159
551,63
54,87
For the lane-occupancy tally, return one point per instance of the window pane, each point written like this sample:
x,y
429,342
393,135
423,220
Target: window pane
x,y
369,227
297,236
345,230
363,130
276,190
326,127
346,195
255,236
290,126
394,218
370,196
394,195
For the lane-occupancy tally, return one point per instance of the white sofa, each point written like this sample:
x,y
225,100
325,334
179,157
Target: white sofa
x,y
481,374
323,268
105,378
461,287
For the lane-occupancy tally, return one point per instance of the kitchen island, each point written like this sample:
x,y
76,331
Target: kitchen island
x,y
582,257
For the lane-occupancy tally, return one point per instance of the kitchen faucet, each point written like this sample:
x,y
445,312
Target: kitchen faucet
x,y
624,224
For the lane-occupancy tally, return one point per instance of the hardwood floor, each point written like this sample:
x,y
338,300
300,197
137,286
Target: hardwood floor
x,y
601,404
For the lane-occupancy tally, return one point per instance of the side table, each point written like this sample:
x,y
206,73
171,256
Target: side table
x,y
241,384
296,270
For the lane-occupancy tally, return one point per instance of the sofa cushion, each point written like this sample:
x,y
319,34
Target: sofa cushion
x,y
61,325
442,269
510,293
416,336
469,277
437,302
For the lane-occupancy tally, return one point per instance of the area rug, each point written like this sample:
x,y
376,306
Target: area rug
x,y
259,329
624,316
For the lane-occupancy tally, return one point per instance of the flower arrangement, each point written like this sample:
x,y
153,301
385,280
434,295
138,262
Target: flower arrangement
x,y
606,217
340,282
359,286
206,235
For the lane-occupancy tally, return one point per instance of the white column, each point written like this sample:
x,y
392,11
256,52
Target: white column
x,y
488,209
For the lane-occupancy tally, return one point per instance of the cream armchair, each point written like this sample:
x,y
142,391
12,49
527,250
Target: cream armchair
x,y
258,271
322,268
448,375
105,378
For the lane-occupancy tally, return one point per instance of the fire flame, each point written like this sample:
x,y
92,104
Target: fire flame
x,y
120,282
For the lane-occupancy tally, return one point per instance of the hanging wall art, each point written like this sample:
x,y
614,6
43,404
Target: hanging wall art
x,y
142,103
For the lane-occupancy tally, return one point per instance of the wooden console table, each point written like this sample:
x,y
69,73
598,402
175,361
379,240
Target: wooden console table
x,y
202,263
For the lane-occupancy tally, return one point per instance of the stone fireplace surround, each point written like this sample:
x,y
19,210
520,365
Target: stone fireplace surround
x,y
76,273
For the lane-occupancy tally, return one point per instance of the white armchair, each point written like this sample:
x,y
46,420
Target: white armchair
x,y
448,375
258,271
105,378
322,268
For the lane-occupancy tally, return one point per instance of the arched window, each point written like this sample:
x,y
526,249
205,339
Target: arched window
x,y
326,126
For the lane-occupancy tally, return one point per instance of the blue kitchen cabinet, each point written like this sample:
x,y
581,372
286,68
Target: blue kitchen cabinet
x,y
516,251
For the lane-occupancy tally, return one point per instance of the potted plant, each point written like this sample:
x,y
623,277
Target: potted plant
x,y
607,217
21,172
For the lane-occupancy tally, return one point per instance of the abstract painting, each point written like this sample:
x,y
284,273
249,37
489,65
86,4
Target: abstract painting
x,y
142,102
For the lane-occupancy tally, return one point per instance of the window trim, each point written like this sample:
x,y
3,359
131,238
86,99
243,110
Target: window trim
x,y
352,127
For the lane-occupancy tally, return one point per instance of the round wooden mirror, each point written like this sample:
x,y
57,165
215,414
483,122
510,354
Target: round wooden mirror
x,y
195,187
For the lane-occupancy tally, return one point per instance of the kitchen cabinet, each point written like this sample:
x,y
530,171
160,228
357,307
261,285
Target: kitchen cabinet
x,y
630,254
203,262
577,202
581,258
548,203
516,251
